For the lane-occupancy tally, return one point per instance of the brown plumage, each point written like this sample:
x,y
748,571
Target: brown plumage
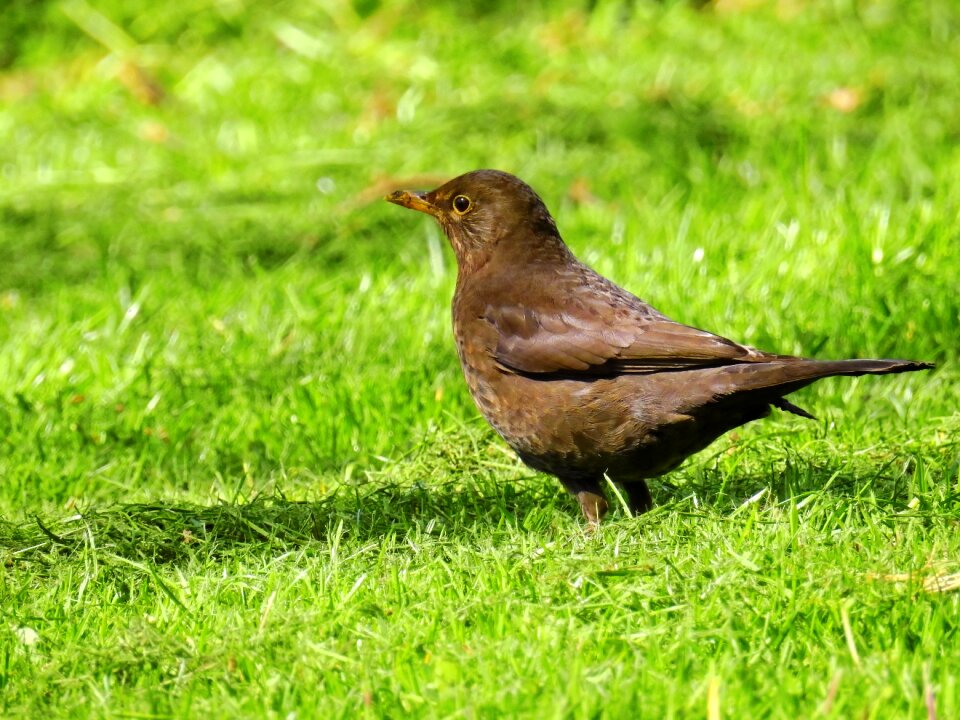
x,y
580,377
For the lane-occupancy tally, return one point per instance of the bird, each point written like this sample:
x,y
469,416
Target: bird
x,y
583,379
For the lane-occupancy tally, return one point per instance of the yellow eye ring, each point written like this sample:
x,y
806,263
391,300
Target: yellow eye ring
x,y
462,204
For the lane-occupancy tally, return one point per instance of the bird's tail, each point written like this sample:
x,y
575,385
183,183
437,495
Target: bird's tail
x,y
828,368
769,382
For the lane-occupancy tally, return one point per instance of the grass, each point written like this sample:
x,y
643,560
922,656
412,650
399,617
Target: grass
x,y
241,476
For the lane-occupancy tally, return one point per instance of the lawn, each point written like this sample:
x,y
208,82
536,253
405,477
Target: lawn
x,y
241,474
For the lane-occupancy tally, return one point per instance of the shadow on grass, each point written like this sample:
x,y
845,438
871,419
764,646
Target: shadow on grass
x,y
891,485
161,533
158,533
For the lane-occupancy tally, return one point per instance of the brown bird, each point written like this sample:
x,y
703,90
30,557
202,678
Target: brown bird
x,y
580,377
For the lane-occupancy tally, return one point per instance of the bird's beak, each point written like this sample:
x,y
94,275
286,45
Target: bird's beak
x,y
414,201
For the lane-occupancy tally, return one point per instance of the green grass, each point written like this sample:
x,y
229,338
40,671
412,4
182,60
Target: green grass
x,y
240,475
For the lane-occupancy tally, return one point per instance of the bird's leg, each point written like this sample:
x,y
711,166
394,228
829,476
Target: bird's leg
x,y
590,496
638,496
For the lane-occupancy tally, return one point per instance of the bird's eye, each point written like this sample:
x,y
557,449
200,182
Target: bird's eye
x,y
461,203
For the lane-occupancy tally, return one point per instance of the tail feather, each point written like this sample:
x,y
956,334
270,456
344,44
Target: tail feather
x,y
769,382
789,407
864,367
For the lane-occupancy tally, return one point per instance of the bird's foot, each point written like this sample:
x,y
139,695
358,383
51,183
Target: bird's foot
x,y
593,506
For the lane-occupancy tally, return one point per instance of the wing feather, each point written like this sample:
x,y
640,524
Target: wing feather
x,y
585,340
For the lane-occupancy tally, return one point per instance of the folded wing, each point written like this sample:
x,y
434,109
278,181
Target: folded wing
x,y
600,340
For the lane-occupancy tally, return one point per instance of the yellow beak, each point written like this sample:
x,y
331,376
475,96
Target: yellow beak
x,y
412,200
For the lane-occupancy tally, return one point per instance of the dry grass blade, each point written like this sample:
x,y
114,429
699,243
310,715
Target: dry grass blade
x,y
942,583
937,582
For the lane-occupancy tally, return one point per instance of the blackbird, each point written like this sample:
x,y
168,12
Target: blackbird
x,y
580,377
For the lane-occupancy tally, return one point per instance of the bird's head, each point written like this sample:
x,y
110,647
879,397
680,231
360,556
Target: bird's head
x,y
486,212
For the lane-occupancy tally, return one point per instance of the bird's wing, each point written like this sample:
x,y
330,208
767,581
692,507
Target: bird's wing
x,y
600,340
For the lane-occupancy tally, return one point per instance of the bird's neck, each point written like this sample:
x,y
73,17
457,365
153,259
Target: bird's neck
x,y
520,259
531,241
535,245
